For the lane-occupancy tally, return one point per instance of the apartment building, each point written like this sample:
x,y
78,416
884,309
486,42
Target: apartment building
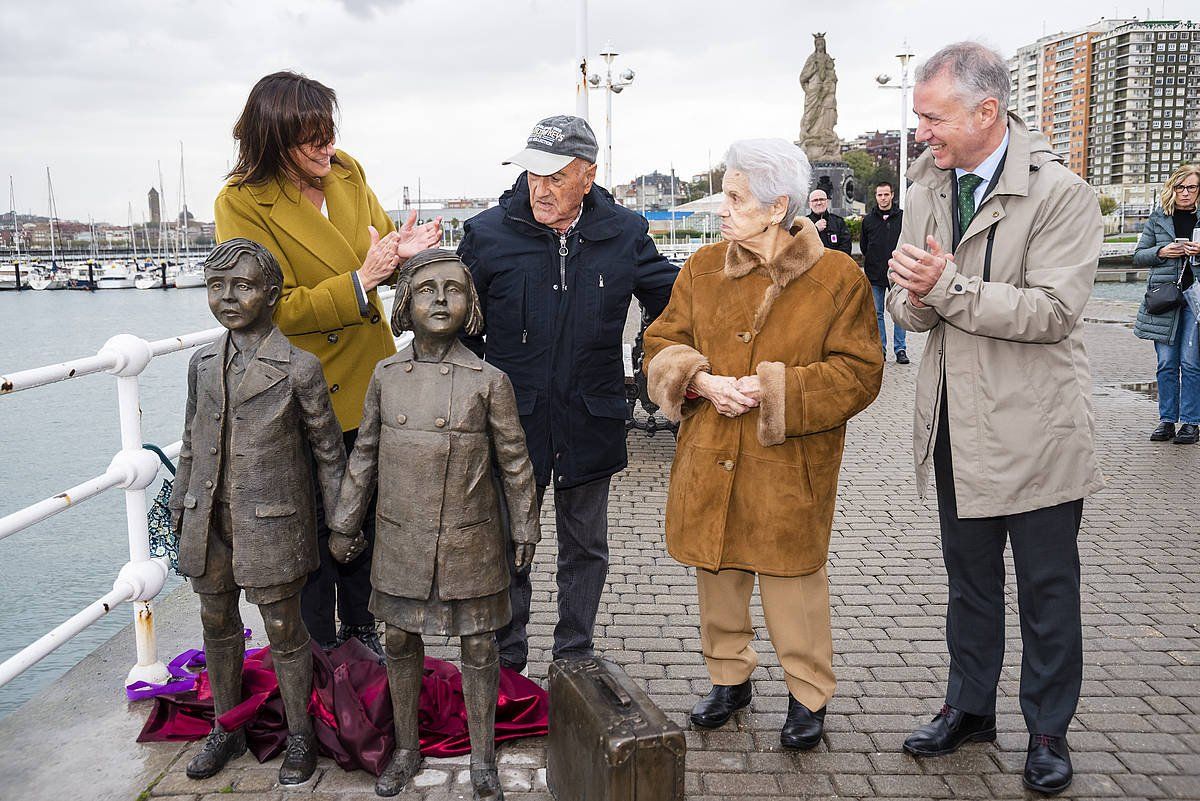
x,y
1145,107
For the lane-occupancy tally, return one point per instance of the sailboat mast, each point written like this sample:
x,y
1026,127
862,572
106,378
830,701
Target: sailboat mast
x,y
183,198
12,202
132,235
53,214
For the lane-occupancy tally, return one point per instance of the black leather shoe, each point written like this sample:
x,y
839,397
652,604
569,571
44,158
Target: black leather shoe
x,y
901,357
719,705
949,729
366,634
1048,764
219,748
802,729
1188,434
300,759
1164,433
404,765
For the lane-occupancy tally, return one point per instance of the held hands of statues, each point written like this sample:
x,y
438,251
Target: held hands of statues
x,y
346,547
723,392
524,555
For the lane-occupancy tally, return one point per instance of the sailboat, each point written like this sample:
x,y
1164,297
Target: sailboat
x,y
14,275
53,275
191,270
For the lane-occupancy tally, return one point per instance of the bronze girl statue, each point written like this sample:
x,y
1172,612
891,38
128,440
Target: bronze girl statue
x,y
438,424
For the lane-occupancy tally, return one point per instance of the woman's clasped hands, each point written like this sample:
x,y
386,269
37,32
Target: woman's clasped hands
x,y
731,396
386,253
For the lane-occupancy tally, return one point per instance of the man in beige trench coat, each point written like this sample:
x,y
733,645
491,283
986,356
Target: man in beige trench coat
x,y
997,257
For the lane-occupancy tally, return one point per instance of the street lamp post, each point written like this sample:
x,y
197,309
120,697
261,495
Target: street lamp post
x,y
610,88
883,80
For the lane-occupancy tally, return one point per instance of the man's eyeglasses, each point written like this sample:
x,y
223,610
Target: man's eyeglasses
x,y
1189,188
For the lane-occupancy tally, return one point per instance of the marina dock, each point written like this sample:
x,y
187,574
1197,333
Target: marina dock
x,y
1136,733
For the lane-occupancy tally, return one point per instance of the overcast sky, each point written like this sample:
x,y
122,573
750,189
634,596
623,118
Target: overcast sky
x,y
102,93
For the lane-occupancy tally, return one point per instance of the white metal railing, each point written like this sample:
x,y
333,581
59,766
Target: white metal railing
x,y
133,469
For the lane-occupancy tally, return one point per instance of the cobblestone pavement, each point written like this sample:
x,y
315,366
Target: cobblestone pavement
x,y
1137,731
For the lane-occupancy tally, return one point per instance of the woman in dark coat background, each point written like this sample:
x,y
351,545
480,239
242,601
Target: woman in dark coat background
x,y
1174,332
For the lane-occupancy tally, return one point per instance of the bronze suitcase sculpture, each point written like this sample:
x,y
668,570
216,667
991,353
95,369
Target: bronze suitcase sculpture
x,y
608,741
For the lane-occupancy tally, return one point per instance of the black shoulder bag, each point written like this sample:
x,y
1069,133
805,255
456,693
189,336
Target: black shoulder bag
x,y
1166,297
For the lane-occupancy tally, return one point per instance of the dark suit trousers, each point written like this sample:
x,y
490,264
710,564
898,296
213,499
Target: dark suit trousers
x,y
348,587
581,526
1046,559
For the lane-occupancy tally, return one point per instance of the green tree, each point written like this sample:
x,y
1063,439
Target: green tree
x,y
699,189
1107,204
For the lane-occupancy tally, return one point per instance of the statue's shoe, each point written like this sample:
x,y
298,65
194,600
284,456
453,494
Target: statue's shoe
x,y
404,765
485,781
300,760
219,747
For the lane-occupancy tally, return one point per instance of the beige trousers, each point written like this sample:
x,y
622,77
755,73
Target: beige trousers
x,y
797,613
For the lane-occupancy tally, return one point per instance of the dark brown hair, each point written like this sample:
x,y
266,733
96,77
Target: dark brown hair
x,y
284,110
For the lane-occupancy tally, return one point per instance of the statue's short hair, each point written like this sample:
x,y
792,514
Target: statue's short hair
x,y
978,72
775,168
402,305
226,254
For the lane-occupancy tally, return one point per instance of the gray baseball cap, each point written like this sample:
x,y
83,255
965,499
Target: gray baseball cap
x,y
554,142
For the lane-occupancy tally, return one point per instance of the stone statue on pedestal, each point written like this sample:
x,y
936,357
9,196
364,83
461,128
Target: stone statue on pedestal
x,y
819,80
817,138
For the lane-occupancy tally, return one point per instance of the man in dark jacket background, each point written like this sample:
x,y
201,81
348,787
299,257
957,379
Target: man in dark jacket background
x,y
835,234
880,233
556,264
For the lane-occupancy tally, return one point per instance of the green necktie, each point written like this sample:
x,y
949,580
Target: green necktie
x,y
967,184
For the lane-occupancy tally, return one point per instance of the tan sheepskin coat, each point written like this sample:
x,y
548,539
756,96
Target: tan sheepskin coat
x,y
757,492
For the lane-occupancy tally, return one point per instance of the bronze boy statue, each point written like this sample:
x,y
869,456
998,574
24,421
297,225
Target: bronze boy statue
x,y
258,414
435,419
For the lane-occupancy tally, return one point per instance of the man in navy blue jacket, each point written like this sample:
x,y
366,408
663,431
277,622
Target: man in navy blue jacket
x,y
556,264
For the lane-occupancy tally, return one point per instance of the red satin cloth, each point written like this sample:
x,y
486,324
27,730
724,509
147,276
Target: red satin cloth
x,y
351,709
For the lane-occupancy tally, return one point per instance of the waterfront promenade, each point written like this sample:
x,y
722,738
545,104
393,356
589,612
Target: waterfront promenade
x,y
1136,735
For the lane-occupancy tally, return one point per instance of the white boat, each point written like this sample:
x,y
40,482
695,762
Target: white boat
x,y
42,278
115,275
190,275
8,275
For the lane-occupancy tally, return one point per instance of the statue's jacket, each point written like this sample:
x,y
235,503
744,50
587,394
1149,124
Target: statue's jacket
x,y
430,434
282,423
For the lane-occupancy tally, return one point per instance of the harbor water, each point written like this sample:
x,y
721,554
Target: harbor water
x,y
54,437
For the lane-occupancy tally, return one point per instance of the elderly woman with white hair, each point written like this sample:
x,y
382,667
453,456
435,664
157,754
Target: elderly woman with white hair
x,y
768,346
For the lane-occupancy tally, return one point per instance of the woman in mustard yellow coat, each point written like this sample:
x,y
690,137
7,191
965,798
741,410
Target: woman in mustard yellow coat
x,y
309,204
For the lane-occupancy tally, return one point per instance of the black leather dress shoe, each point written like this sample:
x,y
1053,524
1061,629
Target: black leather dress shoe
x,y
300,759
902,357
1048,764
1188,434
949,729
803,728
1164,433
219,748
719,705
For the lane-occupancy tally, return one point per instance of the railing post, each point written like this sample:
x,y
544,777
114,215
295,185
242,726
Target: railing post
x,y
133,356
